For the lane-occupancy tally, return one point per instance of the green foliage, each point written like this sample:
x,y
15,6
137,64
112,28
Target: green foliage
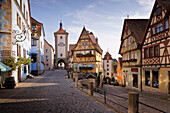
x,y
10,62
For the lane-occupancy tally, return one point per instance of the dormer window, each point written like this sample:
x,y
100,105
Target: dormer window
x,y
159,11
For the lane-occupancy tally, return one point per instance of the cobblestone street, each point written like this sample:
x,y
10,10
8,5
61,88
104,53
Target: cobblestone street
x,y
51,93
157,100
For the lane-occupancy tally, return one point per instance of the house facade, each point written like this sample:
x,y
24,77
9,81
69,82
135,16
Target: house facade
x,y
48,56
156,50
37,47
15,33
108,67
130,49
87,54
119,71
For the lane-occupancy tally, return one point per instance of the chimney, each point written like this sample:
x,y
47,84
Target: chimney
x,y
96,40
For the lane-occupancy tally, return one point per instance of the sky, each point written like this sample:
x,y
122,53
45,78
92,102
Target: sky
x,y
102,17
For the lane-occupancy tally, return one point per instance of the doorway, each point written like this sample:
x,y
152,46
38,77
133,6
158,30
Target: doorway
x,y
19,74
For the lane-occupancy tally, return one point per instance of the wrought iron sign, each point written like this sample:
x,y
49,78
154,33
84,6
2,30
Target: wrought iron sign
x,y
20,36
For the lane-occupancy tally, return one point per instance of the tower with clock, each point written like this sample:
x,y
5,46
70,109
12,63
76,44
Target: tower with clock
x,y
61,47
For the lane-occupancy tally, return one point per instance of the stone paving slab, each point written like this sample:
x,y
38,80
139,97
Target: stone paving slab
x,y
48,93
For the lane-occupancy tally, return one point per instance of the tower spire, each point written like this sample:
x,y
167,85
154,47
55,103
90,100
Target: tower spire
x,y
60,24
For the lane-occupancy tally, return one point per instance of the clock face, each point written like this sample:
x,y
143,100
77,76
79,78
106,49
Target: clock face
x,y
61,44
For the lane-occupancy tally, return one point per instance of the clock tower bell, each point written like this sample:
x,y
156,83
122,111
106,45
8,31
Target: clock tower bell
x,y
61,46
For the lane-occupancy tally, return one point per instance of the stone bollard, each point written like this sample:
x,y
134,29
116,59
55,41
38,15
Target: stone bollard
x,y
133,105
76,82
90,88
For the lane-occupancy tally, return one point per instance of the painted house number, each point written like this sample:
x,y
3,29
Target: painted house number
x,y
61,44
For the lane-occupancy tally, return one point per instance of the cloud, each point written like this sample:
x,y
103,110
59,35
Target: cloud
x,y
146,4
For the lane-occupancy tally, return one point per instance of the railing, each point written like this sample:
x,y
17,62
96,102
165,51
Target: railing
x,y
108,98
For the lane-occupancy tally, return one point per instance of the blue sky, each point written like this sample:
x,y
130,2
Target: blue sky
x,y
102,17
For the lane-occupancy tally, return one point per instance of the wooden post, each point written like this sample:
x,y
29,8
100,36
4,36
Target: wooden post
x,y
105,97
90,88
133,105
76,81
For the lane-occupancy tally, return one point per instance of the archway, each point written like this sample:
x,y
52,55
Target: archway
x,y
61,64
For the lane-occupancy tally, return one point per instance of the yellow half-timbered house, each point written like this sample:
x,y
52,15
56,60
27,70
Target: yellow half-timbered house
x,y
87,54
130,49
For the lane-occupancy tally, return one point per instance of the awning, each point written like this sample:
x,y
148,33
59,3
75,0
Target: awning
x,y
4,68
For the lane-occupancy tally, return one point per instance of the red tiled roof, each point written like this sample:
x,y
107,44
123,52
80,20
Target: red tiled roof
x,y
61,31
107,55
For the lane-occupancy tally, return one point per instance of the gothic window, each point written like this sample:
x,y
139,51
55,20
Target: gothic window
x,y
166,24
159,27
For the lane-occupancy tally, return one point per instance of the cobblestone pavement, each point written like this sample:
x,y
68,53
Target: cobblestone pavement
x,y
157,100
48,93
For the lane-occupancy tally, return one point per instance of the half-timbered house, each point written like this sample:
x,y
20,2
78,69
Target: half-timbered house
x,y
130,49
156,49
87,54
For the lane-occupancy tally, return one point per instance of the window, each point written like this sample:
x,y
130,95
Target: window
x,y
24,53
20,22
159,11
84,33
107,69
107,65
17,19
125,42
130,40
159,27
147,78
153,30
135,55
166,24
151,52
93,65
18,50
107,73
47,57
61,37
82,43
107,61
156,51
47,50
135,80
61,55
131,55
155,79
33,42
86,43
127,56
47,64
25,69
75,66
146,55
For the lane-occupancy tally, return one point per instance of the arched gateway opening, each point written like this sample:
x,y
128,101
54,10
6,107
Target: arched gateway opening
x,y
61,64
